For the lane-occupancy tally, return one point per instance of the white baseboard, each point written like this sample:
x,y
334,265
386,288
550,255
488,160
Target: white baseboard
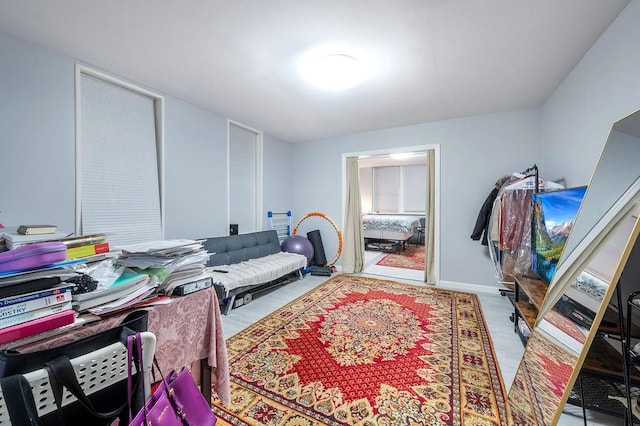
x,y
449,285
472,288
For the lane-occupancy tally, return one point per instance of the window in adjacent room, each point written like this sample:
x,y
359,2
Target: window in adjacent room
x,y
386,194
393,189
245,177
119,145
414,194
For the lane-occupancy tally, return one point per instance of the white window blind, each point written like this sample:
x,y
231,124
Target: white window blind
x,y
414,188
386,189
119,172
243,157
394,189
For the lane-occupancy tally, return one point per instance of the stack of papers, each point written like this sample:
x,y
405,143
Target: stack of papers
x,y
171,262
169,254
128,289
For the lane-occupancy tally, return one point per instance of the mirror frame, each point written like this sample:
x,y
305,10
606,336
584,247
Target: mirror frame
x,y
610,202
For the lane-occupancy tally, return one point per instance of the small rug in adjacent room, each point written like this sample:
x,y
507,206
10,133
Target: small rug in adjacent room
x,y
358,350
412,257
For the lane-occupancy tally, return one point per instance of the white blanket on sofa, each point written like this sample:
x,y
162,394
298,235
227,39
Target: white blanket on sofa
x,y
256,271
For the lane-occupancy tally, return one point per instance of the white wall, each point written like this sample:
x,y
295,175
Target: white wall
x,y
277,173
603,88
37,151
474,152
195,172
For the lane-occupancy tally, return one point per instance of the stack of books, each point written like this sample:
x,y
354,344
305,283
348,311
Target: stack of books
x,y
78,247
26,314
13,239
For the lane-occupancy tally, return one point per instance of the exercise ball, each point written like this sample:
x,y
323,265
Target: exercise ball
x,y
298,244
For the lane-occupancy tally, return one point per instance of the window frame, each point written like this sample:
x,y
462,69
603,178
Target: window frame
x,y
402,193
158,101
259,166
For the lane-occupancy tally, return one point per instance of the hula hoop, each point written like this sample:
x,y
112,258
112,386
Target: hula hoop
x,y
324,216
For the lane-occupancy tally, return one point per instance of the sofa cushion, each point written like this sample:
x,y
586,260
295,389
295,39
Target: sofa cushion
x,y
256,271
238,248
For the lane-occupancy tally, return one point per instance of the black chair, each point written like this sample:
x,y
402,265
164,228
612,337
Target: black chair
x,y
420,239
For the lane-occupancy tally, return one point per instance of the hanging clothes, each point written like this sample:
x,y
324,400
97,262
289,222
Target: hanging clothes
x,y
516,211
481,227
510,225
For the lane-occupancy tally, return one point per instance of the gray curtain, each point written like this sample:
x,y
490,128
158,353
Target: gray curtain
x,y
429,231
353,250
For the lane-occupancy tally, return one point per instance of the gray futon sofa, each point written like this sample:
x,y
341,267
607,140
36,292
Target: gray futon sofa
x,y
252,262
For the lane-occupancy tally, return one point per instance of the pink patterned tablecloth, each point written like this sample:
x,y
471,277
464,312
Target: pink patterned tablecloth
x,y
187,330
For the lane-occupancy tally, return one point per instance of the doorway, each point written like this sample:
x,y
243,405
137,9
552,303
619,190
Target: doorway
x,y
393,188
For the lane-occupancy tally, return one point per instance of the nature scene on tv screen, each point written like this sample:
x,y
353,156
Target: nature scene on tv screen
x,y
553,216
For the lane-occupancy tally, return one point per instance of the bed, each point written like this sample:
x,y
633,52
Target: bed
x,y
388,232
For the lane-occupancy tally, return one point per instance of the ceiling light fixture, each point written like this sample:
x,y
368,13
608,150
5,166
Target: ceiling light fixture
x,y
334,68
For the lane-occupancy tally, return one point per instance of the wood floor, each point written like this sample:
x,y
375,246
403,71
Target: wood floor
x,y
496,309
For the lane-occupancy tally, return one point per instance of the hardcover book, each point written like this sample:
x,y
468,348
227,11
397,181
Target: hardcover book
x,y
28,296
33,305
35,314
87,250
36,326
36,229
83,240
12,285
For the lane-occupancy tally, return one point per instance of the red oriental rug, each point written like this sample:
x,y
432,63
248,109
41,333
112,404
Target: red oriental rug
x,y
540,382
364,351
412,257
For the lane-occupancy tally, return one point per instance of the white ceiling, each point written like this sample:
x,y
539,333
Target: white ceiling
x,y
439,59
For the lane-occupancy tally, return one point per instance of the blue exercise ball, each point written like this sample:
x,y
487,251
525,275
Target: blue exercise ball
x,y
298,244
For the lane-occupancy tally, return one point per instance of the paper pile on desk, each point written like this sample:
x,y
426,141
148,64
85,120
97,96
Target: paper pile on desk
x,y
171,262
129,288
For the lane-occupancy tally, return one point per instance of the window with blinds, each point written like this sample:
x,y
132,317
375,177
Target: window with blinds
x,y
244,178
119,191
414,188
394,189
386,189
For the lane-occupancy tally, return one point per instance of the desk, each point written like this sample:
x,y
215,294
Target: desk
x,y
187,330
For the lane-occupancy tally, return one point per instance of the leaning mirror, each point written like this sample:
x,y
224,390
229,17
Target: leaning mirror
x,y
560,342
576,302
614,180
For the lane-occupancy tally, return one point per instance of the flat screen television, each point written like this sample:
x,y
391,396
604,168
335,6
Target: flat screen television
x,y
552,217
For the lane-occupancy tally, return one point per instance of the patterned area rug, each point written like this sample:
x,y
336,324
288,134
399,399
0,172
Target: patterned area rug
x,y
540,382
363,351
410,258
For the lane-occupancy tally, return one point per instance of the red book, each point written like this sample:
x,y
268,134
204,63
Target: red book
x,y
40,325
